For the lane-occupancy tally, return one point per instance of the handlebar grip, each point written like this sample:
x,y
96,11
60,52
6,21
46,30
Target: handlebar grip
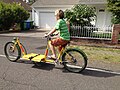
x,y
53,35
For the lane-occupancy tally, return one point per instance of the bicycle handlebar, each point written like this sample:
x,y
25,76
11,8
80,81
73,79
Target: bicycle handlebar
x,y
49,36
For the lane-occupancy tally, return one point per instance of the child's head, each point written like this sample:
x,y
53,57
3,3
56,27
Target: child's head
x,y
59,14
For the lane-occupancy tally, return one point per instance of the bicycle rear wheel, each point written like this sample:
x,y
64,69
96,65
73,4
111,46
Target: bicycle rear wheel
x,y
74,60
13,53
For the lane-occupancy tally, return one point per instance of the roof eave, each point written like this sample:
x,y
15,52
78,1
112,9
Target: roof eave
x,y
93,3
52,6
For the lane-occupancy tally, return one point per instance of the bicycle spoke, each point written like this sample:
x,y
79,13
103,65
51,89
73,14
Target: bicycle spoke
x,y
12,52
74,60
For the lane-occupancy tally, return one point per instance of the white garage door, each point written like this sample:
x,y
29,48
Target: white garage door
x,y
47,20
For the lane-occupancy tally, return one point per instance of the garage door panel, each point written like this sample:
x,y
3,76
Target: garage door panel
x,y
47,20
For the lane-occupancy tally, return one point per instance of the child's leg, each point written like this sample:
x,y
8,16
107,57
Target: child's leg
x,y
57,42
63,45
53,50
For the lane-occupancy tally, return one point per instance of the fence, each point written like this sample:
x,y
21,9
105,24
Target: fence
x,y
92,32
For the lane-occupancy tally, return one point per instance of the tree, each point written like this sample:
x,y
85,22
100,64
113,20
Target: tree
x,y
80,14
114,7
11,14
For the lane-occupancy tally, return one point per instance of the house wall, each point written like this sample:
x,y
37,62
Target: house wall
x,y
45,15
35,17
103,18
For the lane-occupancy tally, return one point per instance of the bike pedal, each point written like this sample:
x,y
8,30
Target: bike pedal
x,y
56,62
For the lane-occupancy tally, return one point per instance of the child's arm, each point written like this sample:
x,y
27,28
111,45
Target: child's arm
x,y
51,32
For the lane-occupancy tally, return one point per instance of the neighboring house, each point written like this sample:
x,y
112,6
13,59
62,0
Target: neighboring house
x,y
43,11
103,19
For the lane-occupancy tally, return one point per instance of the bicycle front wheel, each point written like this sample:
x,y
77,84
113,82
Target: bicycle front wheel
x,y
12,52
74,60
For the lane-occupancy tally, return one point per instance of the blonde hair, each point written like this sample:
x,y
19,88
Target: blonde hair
x,y
59,13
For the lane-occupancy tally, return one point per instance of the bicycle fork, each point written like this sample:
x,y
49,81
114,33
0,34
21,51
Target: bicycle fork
x,y
17,42
72,58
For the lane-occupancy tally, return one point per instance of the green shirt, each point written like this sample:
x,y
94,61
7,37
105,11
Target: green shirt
x,y
62,28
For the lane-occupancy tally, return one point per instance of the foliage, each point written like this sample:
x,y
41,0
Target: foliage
x,y
11,14
114,7
80,14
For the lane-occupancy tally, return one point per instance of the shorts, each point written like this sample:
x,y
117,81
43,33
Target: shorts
x,y
59,42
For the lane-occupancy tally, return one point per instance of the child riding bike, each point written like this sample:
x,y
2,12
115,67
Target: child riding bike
x,y
64,35
72,58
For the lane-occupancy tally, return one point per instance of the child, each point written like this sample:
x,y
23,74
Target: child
x,y
62,28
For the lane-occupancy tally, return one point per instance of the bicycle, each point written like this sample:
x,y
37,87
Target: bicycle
x,y
73,59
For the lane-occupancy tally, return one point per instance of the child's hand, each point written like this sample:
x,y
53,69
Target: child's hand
x,y
46,35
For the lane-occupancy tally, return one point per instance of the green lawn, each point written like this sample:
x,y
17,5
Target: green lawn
x,y
119,37
103,35
103,54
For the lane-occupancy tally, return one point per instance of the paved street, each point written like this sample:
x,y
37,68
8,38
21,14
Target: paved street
x,y
26,33
24,75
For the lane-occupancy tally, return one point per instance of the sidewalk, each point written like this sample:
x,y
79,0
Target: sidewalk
x,y
26,33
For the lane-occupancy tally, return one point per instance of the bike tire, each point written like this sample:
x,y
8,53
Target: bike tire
x,y
12,55
74,60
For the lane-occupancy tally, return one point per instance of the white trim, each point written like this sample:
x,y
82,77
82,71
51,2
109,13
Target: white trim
x,y
53,6
95,3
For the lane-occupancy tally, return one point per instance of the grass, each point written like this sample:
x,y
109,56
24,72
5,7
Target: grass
x,y
94,35
104,54
103,35
119,37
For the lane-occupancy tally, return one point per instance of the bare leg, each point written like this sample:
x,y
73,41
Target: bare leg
x,y
52,49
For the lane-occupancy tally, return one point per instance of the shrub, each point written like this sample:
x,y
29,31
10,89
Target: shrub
x,y
80,14
11,14
114,7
